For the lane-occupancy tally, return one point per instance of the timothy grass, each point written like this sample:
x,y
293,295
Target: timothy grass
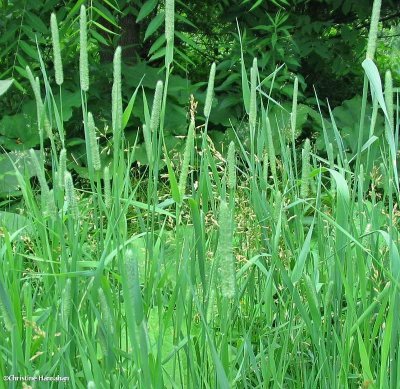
x,y
266,266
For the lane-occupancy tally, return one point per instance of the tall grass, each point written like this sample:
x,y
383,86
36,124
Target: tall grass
x,y
268,266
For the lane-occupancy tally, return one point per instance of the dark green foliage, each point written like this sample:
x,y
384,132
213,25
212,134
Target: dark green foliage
x,y
319,41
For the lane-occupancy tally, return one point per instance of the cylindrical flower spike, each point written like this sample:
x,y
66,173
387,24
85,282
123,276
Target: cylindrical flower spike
x,y
62,167
389,98
253,95
70,195
56,50
66,303
373,29
231,162
225,255
94,147
293,115
105,311
155,112
210,91
169,20
271,148
83,58
116,92
107,187
186,159
305,170
147,143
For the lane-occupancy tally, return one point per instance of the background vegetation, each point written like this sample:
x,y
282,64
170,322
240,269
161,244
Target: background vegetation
x,y
320,41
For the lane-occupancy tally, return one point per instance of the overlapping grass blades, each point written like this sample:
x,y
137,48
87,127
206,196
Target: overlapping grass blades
x,y
251,266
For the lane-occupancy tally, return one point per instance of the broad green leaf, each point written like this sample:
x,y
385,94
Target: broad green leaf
x,y
98,37
105,14
186,38
8,163
29,50
13,222
159,42
154,25
104,28
256,4
5,85
37,23
146,8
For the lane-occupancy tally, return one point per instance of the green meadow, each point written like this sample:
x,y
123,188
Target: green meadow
x,y
263,261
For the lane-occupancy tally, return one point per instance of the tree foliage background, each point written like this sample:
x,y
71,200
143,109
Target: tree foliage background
x,y
321,41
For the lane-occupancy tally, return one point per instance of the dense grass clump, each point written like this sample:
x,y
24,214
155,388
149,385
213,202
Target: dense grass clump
x,y
261,266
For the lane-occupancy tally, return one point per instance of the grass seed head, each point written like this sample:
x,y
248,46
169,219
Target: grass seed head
x,y
271,148
210,305
225,257
105,311
253,95
49,205
44,188
62,167
116,99
56,50
169,20
34,85
293,115
66,302
117,67
46,124
132,277
186,159
156,110
231,162
94,147
305,170
70,195
373,29
278,209
107,187
83,51
265,167
210,91
147,143
389,98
